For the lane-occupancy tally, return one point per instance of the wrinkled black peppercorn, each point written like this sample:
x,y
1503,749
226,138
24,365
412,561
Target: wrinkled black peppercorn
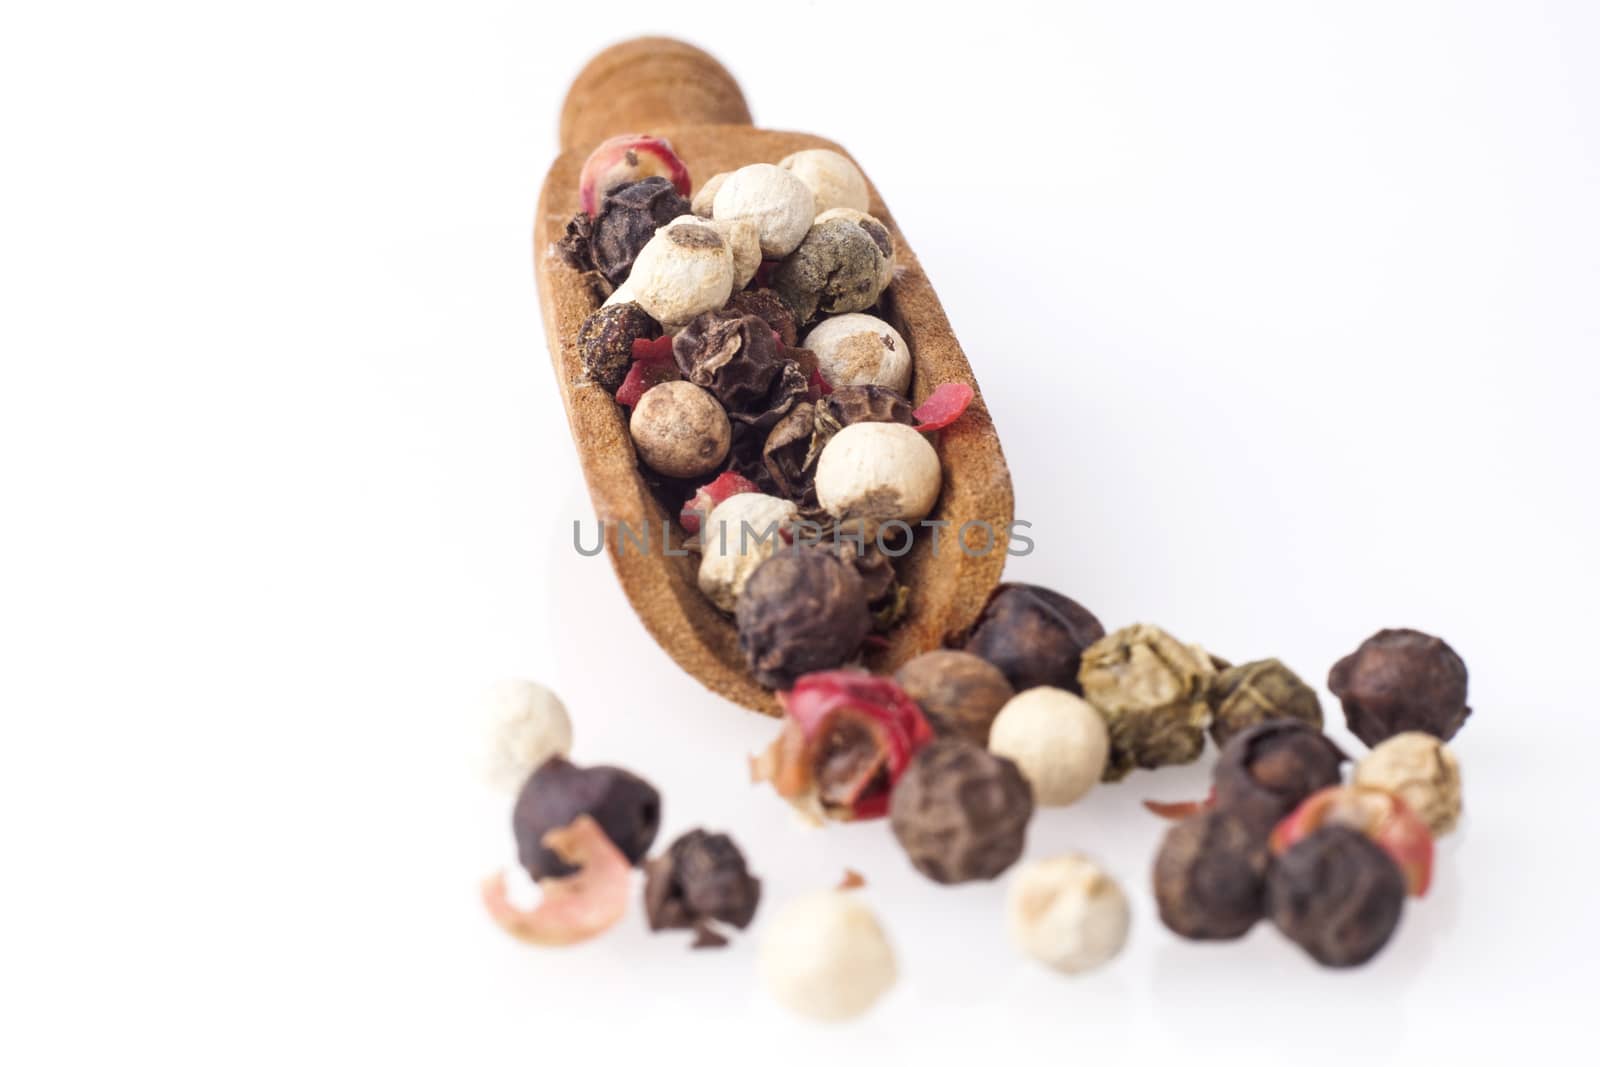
x,y
1401,680
791,449
1210,876
627,808
1266,772
1035,636
701,877
1337,895
802,610
629,216
960,813
768,306
739,361
605,342
1252,693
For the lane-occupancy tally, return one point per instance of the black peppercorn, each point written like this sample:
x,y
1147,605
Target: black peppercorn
x,y
701,877
1035,636
960,813
802,610
958,692
1337,895
605,342
1252,693
627,808
740,362
1264,773
1400,680
1210,876
629,216
768,306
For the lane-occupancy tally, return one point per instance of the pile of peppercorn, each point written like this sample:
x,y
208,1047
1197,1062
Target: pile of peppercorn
x,y
746,331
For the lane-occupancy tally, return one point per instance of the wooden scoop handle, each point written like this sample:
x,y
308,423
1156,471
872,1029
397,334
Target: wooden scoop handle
x,y
646,84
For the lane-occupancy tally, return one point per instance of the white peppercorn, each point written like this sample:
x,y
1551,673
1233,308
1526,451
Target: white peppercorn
x,y
680,430
878,472
834,181
1421,771
824,956
1057,739
706,194
860,349
525,725
738,536
685,269
1067,913
780,205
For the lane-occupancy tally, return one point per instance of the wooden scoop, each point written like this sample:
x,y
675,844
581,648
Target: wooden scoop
x,y
663,87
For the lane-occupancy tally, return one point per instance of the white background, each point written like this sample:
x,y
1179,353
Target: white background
x,y
1287,313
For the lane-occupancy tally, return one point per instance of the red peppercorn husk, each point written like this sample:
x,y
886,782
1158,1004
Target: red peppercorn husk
x,y
943,406
708,496
1379,815
649,350
1181,809
574,908
817,387
847,738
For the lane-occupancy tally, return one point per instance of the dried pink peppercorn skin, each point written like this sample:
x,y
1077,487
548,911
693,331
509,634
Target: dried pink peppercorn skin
x,y
847,739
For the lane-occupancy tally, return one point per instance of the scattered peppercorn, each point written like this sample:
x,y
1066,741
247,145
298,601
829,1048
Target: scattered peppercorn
x,y
1269,769
960,813
1420,770
629,216
1336,895
1401,680
1210,876
1253,693
801,611
1067,913
701,877
960,693
605,342
1056,738
824,956
527,724
1035,636
1152,690
627,808
847,738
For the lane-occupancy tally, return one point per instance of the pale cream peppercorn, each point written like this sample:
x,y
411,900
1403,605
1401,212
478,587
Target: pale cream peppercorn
x,y
1058,741
860,349
738,536
701,204
1420,770
1067,913
779,204
680,430
525,724
824,956
878,472
834,181
683,270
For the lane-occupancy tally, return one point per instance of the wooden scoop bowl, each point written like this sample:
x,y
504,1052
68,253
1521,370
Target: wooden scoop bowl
x,y
670,89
